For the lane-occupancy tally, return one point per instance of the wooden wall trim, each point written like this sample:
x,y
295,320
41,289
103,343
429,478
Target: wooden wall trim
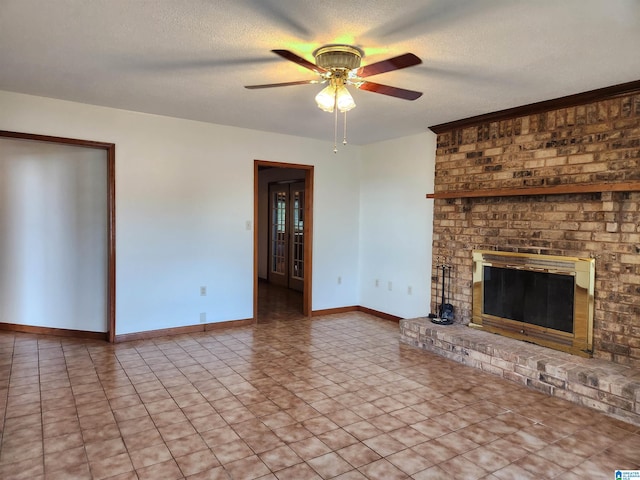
x,y
57,332
111,247
356,308
271,164
376,313
111,214
308,230
574,188
309,183
164,332
629,88
333,311
209,327
49,138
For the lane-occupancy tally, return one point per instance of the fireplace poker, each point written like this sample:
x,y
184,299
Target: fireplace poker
x,y
446,309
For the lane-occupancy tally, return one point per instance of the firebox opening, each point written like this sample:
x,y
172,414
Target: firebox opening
x,y
543,299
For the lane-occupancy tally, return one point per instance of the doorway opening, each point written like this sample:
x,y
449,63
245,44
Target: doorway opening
x,y
58,224
283,207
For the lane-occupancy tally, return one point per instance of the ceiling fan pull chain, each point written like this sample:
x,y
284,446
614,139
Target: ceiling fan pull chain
x,y
335,123
344,139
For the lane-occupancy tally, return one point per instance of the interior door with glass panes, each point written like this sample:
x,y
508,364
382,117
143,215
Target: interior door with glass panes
x,y
286,234
296,255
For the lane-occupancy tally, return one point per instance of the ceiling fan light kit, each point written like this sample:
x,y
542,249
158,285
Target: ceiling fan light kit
x,y
335,96
340,66
339,62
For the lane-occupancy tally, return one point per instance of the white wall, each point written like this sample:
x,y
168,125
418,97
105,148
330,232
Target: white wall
x,y
184,192
396,225
336,228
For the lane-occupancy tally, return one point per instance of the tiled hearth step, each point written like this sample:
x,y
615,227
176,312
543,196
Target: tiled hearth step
x,y
610,388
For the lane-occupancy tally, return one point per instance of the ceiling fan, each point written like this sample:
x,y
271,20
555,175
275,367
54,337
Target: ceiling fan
x,y
339,65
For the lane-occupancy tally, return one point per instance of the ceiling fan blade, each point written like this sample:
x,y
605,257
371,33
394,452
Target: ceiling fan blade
x,y
391,91
395,63
197,64
286,15
286,84
292,57
430,17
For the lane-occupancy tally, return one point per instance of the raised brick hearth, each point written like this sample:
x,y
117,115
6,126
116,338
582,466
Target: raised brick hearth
x,y
603,385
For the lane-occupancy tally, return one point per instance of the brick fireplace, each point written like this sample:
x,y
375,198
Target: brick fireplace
x,y
556,178
559,178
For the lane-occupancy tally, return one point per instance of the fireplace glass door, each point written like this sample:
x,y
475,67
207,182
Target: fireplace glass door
x,y
538,298
543,299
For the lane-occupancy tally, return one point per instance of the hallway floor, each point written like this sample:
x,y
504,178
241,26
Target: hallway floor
x,y
293,398
278,303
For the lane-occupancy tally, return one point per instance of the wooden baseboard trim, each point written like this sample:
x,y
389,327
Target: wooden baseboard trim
x,y
230,324
376,313
356,308
163,332
331,311
57,332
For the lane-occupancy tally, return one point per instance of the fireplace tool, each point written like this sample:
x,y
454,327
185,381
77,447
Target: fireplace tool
x,y
445,311
435,315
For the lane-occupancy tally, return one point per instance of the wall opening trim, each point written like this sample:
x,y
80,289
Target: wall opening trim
x,y
110,149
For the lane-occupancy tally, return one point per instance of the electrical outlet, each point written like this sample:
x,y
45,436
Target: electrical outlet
x,y
377,283
409,290
203,291
203,317
339,280
390,286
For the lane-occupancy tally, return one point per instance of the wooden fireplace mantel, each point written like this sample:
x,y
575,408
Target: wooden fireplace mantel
x,y
632,186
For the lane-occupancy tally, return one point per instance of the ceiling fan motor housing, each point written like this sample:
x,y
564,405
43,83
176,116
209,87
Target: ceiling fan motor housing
x,y
338,57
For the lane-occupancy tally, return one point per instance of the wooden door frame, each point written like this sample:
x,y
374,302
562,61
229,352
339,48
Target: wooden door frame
x,y
308,231
110,149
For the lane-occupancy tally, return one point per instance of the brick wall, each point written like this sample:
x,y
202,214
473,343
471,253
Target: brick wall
x,y
585,144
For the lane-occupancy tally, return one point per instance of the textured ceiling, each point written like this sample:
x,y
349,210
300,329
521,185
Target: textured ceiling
x,y
191,58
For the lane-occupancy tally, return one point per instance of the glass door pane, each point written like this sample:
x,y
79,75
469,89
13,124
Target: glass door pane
x,y
297,267
286,234
279,232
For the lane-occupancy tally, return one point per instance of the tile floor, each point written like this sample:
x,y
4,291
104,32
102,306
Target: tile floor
x,y
292,398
